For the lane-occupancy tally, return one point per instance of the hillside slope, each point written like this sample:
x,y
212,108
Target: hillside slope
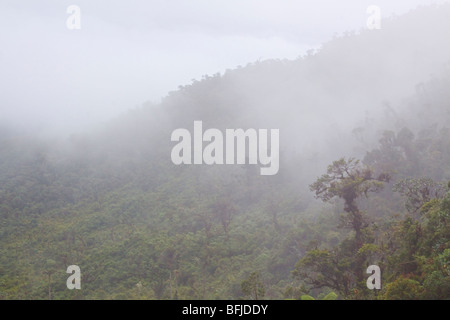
x,y
112,201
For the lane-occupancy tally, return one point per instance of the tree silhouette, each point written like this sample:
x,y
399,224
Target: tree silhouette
x,y
349,180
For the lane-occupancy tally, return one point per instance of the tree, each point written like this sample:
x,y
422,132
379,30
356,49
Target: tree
x,y
419,191
325,269
341,268
403,289
50,266
224,211
253,286
349,180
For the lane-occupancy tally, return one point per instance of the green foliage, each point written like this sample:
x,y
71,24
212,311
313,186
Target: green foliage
x,y
329,296
142,228
403,289
341,268
253,287
325,269
347,179
419,191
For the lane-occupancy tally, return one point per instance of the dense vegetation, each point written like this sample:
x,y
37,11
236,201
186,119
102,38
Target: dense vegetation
x,y
140,227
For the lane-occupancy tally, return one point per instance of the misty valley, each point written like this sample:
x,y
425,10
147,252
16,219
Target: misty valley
x,y
325,177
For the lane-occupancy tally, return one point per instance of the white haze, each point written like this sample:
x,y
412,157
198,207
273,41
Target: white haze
x,y
129,52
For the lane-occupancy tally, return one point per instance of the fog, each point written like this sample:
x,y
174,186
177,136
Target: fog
x,y
209,149
56,80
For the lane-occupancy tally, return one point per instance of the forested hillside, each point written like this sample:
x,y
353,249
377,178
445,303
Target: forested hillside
x,y
364,180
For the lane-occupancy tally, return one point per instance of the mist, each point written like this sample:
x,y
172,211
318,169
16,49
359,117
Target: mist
x,y
58,80
224,150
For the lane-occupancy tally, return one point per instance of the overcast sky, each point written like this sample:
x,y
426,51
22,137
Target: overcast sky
x,y
129,52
